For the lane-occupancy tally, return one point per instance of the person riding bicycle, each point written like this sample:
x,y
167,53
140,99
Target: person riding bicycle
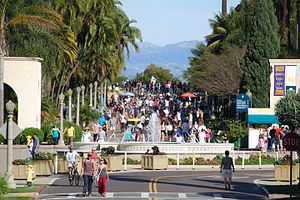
x,y
71,160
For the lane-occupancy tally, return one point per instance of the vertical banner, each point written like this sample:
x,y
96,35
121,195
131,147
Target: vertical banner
x,y
290,78
279,80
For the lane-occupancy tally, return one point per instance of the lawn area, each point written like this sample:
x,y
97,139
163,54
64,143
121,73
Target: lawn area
x,y
24,189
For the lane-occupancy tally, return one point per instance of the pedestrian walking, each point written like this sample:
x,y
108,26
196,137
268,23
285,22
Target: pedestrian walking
x,y
103,177
55,134
36,145
226,170
70,131
88,172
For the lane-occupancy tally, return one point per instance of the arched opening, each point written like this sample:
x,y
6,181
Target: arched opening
x,y
10,94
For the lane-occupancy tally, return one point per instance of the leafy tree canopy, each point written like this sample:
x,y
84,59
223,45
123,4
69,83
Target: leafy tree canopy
x,y
218,74
287,110
161,74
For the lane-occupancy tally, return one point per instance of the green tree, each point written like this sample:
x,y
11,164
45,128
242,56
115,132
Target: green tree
x,y
260,28
287,110
161,74
218,74
21,13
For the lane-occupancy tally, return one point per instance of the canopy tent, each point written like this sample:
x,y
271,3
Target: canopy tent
x,y
186,95
128,94
262,116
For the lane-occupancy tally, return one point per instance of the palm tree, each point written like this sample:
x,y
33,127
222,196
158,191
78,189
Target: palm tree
x,y
15,13
224,7
220,26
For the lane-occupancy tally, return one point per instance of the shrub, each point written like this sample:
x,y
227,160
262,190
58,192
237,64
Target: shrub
x,y
172,161
108,151
21,139
43,156
46,128
3,186
133,162
87,114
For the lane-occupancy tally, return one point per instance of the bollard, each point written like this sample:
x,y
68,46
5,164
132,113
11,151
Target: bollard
x,y
56,164
125,162
243,160
177,158
259,159
193,156
277,155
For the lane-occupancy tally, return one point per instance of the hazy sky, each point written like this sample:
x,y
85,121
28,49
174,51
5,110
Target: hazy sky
x,y
170,21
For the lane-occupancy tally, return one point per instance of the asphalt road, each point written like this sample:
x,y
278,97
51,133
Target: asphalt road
x,y
166,185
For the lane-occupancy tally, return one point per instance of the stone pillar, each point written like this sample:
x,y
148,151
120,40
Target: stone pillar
x,y
10,107
61,101
70,92
91,94
95,94
82,97
78,105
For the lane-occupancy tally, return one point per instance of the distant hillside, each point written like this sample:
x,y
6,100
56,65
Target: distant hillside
x,y
171,56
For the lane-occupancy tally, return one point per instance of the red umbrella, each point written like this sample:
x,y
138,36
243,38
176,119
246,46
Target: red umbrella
x,y
186,95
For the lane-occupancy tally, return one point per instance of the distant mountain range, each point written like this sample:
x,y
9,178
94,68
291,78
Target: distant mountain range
x,y
171,56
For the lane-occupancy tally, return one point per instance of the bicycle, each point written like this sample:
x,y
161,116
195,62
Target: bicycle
x,y
74,177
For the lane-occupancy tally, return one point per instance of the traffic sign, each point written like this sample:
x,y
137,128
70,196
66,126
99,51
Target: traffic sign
x,y
16,130
289,141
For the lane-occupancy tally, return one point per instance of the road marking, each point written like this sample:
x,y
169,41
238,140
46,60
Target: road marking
x,y
145,195
182,195
155,184
150,185
218,196
110,195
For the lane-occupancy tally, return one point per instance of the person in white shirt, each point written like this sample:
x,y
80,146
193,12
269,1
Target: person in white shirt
x,y
71,157
202,136
86,136
101,135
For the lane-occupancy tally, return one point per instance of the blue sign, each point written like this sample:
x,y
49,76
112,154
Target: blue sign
x,y
242,103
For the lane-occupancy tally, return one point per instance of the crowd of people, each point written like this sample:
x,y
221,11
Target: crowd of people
x,y
181,118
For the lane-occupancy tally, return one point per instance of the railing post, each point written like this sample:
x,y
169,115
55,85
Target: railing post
x,y
243,160
233,158
56,164
259,159
125,162
177,158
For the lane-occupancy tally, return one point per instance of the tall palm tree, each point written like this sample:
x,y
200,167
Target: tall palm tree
x,y
220,27
15,13
224,7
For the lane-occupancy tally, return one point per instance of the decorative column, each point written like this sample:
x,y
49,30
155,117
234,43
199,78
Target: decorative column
x,y
95,94
10,107
78,105
70,92
82,97
91,94
61,101
101,93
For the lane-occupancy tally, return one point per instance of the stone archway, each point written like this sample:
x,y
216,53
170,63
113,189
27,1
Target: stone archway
x,y
23,75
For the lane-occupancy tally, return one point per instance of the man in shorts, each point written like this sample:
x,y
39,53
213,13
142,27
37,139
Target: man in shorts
x,y
226,170
71,157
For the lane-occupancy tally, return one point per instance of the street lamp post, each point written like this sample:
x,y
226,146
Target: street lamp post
x,y
78,105
91,94
70,92
82,97
61,100
10,107
95,93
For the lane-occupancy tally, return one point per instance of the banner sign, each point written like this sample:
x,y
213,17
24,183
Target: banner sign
x,y
242,103
279,78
